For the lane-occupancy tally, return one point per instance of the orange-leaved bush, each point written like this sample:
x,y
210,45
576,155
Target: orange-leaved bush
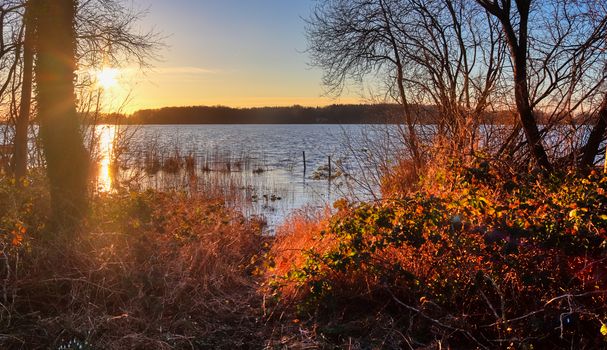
x,y
480,259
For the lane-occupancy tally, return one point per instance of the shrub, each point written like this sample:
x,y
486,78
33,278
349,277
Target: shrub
x,y
478,259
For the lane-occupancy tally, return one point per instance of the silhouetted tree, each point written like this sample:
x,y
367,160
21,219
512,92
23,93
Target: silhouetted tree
x,y
20,157
558,69
591,149
66,157
517,39
354,38
454,58
11,31
105,35
545,58
432,52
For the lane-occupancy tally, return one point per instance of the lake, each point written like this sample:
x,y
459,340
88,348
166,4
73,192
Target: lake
x,y
262,165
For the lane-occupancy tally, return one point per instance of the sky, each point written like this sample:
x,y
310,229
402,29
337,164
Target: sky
x,y
238,53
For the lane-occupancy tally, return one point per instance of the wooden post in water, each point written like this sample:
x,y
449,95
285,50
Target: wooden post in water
x,y
329,168
304,162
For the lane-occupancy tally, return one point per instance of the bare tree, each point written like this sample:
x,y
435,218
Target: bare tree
x,y
351,39
558,69
11,34
441,60
465,65
20,156
11,31
106,35
454,59
596,136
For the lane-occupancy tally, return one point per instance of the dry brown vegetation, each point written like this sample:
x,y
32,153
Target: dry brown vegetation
x,y
149,271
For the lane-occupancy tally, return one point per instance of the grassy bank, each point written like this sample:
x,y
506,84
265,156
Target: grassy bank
x,y
149,271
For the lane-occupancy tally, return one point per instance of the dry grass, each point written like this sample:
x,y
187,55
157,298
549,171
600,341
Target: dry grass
x,y
399,179
150,271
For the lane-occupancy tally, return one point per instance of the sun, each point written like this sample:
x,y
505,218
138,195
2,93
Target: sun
x,y
106,78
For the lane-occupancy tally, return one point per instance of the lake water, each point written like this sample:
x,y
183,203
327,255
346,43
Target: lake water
x,y
261,164
260,167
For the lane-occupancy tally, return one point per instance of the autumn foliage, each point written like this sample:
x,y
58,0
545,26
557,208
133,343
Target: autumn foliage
x,y
478,258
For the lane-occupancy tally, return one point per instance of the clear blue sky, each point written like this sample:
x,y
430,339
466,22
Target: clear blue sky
x,y
229,52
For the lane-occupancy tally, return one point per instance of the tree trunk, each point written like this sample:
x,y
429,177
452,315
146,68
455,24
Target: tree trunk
x,y
412,137
66,157
591,149
518,50
518,45
22,122
521,97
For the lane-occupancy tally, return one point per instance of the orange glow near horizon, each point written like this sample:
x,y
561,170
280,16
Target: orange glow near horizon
x,y
245,103
258,60
126,90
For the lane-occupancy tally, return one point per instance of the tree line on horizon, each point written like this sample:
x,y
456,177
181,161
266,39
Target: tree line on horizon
x,y
378,113
333,114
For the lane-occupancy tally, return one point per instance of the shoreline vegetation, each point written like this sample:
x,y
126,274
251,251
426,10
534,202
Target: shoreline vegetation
x,y
379,113
464,257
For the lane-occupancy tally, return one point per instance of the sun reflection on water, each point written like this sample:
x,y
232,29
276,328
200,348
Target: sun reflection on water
x,y
106,136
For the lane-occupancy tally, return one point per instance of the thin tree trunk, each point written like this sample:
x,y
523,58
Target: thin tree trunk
x,y
518,45
591,149
22,122
412,137
518,49
66,158
521,96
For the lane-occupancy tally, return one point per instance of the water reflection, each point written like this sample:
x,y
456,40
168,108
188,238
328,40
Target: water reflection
x,y
260,167
106,135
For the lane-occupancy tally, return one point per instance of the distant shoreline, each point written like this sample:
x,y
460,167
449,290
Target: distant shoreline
x,y
345,114
333,114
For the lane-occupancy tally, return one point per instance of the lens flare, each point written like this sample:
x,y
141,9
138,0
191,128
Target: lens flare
x,y
107,78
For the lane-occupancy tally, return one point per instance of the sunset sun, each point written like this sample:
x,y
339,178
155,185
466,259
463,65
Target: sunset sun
x,y
106,78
